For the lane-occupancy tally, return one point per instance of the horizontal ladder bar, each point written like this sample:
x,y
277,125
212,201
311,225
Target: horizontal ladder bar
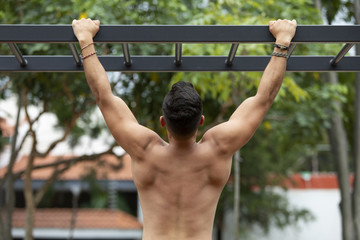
x,y
178,34
189,64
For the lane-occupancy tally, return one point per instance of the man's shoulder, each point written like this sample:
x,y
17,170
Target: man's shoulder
x,y
216,139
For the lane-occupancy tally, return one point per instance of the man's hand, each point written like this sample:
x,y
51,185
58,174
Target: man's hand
x,y
85,28
283,30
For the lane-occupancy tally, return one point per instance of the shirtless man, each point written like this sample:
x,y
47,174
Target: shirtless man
x,y
179,182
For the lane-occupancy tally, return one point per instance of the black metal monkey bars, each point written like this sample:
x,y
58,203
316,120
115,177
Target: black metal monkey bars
x,y
178,35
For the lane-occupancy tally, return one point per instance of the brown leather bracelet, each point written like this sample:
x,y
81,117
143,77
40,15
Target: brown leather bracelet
x,y
282,47
89,55
87,46
277,54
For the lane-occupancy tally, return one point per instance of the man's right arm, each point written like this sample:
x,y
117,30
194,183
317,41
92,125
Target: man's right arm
x,y
230,136
131,136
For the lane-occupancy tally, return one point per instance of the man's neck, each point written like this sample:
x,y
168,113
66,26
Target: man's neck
x,y
182,143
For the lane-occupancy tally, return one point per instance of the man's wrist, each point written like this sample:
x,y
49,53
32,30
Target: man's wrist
x,y
85,39
285,41
281,45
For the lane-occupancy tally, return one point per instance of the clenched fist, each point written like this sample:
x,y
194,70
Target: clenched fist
x,y
85,28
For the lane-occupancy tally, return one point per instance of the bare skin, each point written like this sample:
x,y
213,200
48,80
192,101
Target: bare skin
x,y
180,181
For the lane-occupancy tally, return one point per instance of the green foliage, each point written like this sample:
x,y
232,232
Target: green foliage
x,y
331,9
49,197
3,141
98,196
122,204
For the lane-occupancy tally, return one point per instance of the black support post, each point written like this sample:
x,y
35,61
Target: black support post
x,y
232,53
178,54
291,49
75,54
15,50
126,53
341,54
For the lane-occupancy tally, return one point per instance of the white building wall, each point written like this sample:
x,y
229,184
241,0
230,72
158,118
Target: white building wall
x,y
323,204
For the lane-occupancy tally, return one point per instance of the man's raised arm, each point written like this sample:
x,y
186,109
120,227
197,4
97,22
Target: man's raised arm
x,y
133,137
233,134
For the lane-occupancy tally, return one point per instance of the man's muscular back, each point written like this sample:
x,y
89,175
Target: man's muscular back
x,y
180,183
179,190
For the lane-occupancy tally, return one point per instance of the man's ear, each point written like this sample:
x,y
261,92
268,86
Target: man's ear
x,y
162,121
202,119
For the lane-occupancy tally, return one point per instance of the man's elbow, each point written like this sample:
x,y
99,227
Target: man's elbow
x,y
266,100
102,99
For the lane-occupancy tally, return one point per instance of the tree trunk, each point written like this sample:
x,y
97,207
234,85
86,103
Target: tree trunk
x,y
318,6
339,148
29,200
356,187
6,227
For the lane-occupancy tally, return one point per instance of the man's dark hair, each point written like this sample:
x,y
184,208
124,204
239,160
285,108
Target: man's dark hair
x,y
182,109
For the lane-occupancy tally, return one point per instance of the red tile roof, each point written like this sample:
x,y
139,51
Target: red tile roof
x,y
107,167
315,181
85,219
6,129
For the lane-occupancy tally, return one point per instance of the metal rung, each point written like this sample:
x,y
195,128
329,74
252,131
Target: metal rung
x,y
232,53
75,54
178,53
341,54
126,52
15,50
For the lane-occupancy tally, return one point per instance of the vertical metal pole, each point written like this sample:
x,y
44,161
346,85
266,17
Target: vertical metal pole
x,y
232,53
76,191
178,53
75,54
15,50
341,54
126,52
140,216
236,194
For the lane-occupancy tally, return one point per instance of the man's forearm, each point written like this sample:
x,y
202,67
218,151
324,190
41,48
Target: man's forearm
x,y
274,73
283,31
94,71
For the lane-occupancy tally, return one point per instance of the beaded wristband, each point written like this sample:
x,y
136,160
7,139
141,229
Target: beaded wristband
x,y
281,46
277,54
89,55
87,46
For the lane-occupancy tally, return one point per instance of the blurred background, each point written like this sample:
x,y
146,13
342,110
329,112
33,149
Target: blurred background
x,y
62,176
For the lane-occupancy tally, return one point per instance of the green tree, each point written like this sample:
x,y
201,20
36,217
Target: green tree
x,y
345,126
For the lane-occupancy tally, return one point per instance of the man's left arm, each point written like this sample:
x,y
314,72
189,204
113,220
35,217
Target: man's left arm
x,y
123,125
237,131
